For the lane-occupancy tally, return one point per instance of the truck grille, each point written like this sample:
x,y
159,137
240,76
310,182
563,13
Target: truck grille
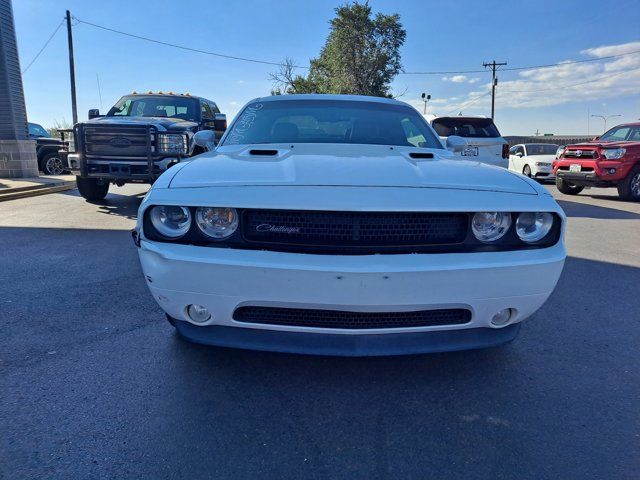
x,y
578,153
353,229
302,317
121,141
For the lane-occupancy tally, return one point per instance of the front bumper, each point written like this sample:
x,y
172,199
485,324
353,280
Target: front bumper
x,y
224,279
115,169
601,173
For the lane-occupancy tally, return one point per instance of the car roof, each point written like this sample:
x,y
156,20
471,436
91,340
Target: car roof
x,y
632,124
324,96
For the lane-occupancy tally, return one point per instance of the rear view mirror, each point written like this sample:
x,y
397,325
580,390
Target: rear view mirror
x,y
456,144
205,139
93,113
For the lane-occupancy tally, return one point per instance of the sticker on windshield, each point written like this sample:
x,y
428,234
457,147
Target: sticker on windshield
x,y
244,124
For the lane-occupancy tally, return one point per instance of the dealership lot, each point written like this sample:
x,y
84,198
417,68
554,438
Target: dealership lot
x,y
95,384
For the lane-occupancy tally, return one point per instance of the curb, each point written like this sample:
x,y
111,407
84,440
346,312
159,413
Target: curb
x,y
35,190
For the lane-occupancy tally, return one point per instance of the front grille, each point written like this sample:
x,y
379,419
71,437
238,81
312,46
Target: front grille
x,y
580,153
353,229
302,317
121,141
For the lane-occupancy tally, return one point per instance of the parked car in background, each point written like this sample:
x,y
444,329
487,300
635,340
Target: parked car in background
x,y
611,160
484,142
47,149
140,137
339,225
533,159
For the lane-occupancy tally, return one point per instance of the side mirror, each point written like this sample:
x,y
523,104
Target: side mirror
x,y
456,144
93,113
519,154
595,139
205,139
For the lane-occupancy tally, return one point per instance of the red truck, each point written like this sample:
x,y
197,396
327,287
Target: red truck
x,y
611,160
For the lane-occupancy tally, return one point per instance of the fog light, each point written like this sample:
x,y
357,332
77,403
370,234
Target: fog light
x,y
198,313
612,171
501,318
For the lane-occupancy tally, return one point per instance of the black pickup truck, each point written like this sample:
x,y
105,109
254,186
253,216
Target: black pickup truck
x,y
47,150
140,137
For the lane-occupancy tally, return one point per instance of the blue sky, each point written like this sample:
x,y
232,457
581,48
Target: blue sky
x,y
441,35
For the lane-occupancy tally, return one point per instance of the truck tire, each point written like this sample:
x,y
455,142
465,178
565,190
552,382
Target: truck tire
x,y
91,190
629,188
51,164
567,188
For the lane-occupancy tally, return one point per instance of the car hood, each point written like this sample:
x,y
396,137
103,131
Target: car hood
x,y
619,144
166,123
343,165
542,158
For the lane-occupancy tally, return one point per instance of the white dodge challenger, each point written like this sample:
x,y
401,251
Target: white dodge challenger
x,y
339,225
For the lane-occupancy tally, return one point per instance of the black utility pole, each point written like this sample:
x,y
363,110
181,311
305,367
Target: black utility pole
x,y
72,71
494,82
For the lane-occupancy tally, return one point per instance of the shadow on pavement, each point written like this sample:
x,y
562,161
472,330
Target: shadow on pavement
x,y
97,384
585,210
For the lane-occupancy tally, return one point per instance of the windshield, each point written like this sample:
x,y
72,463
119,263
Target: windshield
x,y
156,106
541,149
465,127
331,121
629,133
36,130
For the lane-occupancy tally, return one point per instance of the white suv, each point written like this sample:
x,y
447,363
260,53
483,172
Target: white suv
x,y
484,142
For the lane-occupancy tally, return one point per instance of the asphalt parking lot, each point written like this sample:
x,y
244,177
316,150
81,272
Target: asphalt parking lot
x,y
95,384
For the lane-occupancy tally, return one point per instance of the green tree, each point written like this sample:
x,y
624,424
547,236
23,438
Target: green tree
x,y
361,56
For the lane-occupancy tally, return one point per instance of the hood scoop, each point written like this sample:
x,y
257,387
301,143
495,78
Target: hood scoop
x,y
263,153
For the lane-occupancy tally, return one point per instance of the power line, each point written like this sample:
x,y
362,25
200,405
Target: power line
x,y
43,47
183,47
530,67
466,104
278,64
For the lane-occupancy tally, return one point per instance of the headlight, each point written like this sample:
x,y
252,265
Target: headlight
x,y
613,153
543,164
559,152
533,226
170,221
218,223
490,226
172,143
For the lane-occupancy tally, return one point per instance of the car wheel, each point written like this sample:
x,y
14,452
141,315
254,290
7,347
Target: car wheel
x,y
526,171
91,190
567,188
629,188
52,164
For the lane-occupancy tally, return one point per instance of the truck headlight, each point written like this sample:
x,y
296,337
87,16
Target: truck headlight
x,y
490,226
218,223
170,221
172,143
533,226
613,153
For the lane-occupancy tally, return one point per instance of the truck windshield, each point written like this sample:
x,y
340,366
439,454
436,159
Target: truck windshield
x,y
331,121
465,127
37,131
184,108
541,148
623,133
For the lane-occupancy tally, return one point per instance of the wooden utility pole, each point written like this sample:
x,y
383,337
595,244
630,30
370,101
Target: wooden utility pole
x,y
72,71
494,81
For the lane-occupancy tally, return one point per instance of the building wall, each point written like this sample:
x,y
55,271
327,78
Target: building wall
x,y
557,139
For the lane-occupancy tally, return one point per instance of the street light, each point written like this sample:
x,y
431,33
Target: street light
x,y
425,99
605,118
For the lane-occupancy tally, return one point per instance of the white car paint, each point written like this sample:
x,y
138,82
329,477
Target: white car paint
x,y
359,178
536,166
489,150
